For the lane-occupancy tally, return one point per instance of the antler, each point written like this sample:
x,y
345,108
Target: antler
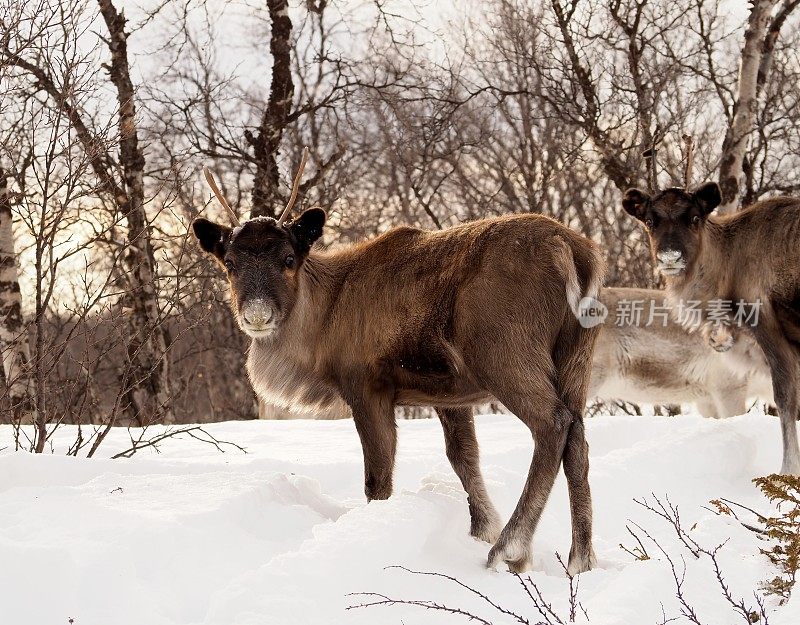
x,y
687,174
213,184
295,187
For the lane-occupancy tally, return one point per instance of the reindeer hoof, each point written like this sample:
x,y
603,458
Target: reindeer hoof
x,y
377,492
720,337
485,523
722,347
581,562
487,530
516,557
790,468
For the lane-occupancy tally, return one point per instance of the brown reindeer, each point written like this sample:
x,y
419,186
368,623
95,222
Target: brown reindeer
x,y
752,256
480,312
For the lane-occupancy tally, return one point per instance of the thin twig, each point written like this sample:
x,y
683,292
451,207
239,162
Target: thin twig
x,y
193,431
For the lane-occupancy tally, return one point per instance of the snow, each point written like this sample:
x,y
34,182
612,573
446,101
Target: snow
x,y
282,534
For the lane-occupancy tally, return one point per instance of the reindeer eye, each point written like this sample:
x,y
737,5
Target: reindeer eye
x,y
648,224
695,220
289,261
230,266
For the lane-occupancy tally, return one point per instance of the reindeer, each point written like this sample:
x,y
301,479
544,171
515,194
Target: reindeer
x,y
475,313
752,256
655,360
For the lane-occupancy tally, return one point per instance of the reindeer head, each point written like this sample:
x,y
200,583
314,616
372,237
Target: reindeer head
x,y
675,220
261,258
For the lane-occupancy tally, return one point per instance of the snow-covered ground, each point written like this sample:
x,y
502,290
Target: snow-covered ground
x,y
282,534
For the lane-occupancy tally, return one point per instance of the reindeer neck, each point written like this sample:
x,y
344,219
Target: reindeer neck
x,y
318,284
710,273
289,370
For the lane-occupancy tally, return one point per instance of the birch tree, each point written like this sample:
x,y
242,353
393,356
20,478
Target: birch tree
x,y
734,148
14,345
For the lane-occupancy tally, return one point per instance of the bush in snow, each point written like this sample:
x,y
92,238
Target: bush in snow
x,y
783,530
740,607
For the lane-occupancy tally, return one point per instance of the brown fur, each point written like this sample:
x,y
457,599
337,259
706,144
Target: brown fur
x,y
750,255
475,313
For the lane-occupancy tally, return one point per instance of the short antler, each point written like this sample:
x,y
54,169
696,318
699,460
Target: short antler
x,y
295,187
213,184
687,175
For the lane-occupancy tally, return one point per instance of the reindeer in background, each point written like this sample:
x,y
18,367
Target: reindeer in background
x,y
752,257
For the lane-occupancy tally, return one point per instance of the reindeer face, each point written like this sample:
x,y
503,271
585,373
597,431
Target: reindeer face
x,y
261,260
675,221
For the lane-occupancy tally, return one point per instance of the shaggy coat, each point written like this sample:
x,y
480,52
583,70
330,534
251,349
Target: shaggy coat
x,y
479,312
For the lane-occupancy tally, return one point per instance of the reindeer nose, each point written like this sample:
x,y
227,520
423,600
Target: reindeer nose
x,y
257,313
669,256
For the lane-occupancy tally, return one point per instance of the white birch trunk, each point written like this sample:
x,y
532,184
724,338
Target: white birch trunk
x,y
13,333
731,170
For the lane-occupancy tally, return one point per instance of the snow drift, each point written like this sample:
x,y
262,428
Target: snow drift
x,y
282,534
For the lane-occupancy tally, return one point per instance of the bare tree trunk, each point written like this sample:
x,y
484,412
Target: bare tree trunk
x,y
150,394
267,139
731,170
13,334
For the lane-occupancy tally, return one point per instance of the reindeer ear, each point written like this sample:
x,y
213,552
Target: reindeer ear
x,y
307,228
213,238
634,203
708,197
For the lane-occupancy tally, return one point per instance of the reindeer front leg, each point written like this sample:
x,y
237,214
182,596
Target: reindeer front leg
x,y
782,357
373,414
